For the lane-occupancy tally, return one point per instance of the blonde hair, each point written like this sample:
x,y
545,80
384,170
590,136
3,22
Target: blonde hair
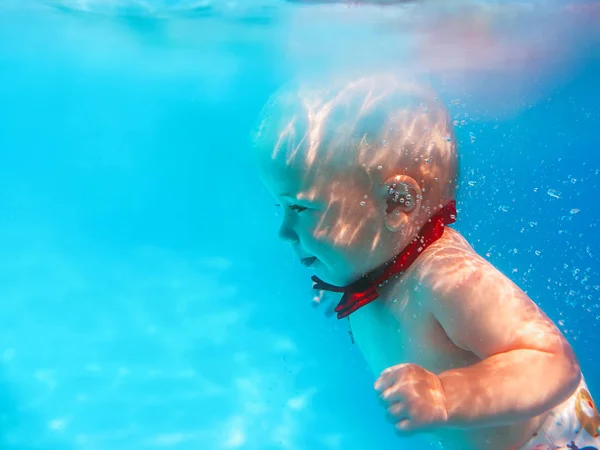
x,y
381,122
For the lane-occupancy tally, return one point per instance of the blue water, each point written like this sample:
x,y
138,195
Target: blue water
x,y
145,301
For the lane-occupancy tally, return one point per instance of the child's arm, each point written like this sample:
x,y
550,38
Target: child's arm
x,y
527,365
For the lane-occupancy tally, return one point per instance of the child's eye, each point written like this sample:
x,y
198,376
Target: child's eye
x,y
298,208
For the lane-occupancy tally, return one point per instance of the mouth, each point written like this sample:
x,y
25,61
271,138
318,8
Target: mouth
x,y
308,261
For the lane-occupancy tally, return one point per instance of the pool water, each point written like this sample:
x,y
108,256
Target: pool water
x,y
145,299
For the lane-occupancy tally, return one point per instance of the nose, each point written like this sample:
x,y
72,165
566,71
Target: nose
x,y
286,232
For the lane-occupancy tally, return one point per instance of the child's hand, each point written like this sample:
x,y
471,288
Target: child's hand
x,y
414,397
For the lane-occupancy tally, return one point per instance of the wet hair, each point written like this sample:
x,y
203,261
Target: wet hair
x,y
383,122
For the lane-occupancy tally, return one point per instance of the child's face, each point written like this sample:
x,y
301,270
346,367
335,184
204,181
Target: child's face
x,y
334,219
329,153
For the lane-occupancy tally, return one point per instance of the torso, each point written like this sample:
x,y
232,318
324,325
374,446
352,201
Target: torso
x,y
398,328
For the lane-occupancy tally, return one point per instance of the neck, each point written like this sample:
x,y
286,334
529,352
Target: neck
x,y
365,289
402,245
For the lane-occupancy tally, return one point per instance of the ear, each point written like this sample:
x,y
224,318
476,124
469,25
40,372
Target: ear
x,y
402,196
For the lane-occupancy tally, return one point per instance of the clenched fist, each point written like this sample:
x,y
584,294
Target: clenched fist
x,y
414,398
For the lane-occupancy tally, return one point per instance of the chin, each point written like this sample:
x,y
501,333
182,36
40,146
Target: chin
x,y
335,279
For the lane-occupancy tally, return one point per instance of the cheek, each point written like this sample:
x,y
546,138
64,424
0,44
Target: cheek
x,y
349,227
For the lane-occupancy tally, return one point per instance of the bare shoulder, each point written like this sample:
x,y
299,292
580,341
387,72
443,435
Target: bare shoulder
x,y
449,261
451,266
471,298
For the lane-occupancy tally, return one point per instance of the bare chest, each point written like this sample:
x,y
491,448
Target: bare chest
x,y
399,330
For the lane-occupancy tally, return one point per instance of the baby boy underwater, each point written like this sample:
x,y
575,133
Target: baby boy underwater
x,y
365,171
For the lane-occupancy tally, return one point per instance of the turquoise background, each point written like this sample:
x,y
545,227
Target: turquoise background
x,y
145,301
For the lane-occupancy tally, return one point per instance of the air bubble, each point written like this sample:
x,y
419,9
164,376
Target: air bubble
x,y
574,211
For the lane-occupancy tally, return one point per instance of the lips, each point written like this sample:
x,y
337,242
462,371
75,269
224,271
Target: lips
x,y
308,261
